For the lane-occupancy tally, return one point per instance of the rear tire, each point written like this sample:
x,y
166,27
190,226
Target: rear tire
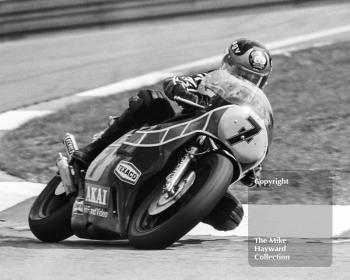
x,y
50,215
213,177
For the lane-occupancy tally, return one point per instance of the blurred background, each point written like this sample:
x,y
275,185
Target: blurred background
x,y
52,48
19,17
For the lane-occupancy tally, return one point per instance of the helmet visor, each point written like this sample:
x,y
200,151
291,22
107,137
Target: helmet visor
x,y
255,78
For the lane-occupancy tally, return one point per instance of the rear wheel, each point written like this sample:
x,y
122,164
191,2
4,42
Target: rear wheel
x,y
213,175
50,215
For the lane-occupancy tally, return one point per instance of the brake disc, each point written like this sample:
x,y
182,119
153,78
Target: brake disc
x,y
166,199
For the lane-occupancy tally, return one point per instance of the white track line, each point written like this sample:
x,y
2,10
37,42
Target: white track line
x,y
127,85
309,37
12,193
15,118
8,123
273,225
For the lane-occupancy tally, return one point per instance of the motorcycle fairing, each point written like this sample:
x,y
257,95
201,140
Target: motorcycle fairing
x,y
149,161
92,214
149,150
165,133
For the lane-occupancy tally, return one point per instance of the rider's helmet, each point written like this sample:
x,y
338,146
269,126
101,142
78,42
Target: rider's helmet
x,y
249,60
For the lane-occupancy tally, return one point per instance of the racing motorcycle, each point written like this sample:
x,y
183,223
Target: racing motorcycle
x,y
156,183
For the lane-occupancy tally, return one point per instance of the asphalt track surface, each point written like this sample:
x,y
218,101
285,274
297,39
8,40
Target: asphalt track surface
x,y
44,68
193,257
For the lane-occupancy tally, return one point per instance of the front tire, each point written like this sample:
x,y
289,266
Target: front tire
x,y
213,176
50,215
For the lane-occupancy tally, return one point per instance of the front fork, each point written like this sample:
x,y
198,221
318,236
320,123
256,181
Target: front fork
x,y
177,182
175,176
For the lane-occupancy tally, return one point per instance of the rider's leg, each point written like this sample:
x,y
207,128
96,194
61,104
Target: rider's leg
x,y
227,215
147,107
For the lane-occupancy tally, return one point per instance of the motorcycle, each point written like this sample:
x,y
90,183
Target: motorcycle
x,y
156,183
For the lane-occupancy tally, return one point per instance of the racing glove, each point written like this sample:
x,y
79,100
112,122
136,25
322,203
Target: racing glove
x,y
185,87
185,93
181,91
252,177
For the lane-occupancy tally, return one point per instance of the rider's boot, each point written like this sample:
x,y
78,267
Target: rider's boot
x,y
148,107
121,125
227,214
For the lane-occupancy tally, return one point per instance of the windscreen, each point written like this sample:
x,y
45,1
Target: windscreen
x,y
238,91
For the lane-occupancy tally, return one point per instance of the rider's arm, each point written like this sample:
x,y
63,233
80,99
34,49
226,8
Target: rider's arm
x,y
185,87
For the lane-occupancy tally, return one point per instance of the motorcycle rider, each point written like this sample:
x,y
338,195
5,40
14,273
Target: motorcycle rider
x,y
245,59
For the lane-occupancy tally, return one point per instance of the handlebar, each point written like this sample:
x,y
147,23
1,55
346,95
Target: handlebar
x,y
188,102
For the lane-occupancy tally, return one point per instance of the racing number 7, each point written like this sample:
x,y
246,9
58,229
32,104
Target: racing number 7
x,y
246,134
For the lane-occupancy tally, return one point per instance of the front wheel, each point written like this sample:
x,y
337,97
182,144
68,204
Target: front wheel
x,y
213,175
50,215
